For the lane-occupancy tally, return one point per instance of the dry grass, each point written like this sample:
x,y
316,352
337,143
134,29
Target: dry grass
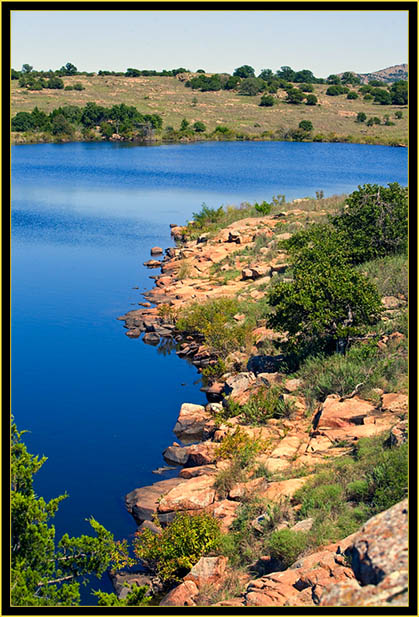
x,y
169,97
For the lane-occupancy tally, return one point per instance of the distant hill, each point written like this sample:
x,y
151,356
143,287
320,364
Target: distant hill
x,y
390,74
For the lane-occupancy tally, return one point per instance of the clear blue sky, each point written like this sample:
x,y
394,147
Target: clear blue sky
x,y
323,41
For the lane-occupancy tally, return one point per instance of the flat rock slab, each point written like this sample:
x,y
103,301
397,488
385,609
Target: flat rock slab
x,y
340,414
194,494
142,502
286,488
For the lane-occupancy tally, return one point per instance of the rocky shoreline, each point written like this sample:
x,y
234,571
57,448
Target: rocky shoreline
x,y
343,574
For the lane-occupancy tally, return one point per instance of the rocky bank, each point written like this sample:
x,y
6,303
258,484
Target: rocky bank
x,y
368,568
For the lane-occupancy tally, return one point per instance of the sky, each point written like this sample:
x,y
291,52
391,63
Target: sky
x,y
217,41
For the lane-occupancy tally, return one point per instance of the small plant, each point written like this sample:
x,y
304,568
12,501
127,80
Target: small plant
x,y
286,545
184,270
267,403
240,448
320,194
398,115
168,313
361,117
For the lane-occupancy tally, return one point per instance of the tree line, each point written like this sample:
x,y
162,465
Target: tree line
x,y
122,119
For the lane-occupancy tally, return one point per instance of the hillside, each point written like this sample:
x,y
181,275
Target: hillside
x,y
333,118
388,75
298,449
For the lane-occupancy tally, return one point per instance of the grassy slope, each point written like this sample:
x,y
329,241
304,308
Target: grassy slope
x,y
168,97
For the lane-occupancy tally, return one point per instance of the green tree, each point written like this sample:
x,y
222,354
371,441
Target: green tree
x,y
352,95
55,83
232,83
374,221
304,76
251,86
350,78
43,573
398,115
334,79
306,125
361,117
399,93
22,121
286,73
266,74
69,69
244,71
184,124
383,97
327,302
27,68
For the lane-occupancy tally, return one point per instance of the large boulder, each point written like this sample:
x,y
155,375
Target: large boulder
x,y
176,455
194,494
379,558
191,421
142,502
335,413
235,385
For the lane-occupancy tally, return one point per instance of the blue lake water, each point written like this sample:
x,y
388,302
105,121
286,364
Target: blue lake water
x,y
99,405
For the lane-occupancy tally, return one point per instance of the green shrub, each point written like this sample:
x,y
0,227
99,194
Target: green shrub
x,y
180,545
328,498
311,99
214,321
305,125
267,100
388,480
240,448
207,215
264,208
286,545
199,127
226,479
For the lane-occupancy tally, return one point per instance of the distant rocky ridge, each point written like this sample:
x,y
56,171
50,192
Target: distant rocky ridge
x,y
389,75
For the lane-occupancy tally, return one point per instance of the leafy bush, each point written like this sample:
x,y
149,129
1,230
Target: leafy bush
x,y
374,221
306,125
199,127
352,95
311,99
179,546
264,208
267,100
286,545
207,215
214,321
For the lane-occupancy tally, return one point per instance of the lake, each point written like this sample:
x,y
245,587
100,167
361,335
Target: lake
x,y
99,405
